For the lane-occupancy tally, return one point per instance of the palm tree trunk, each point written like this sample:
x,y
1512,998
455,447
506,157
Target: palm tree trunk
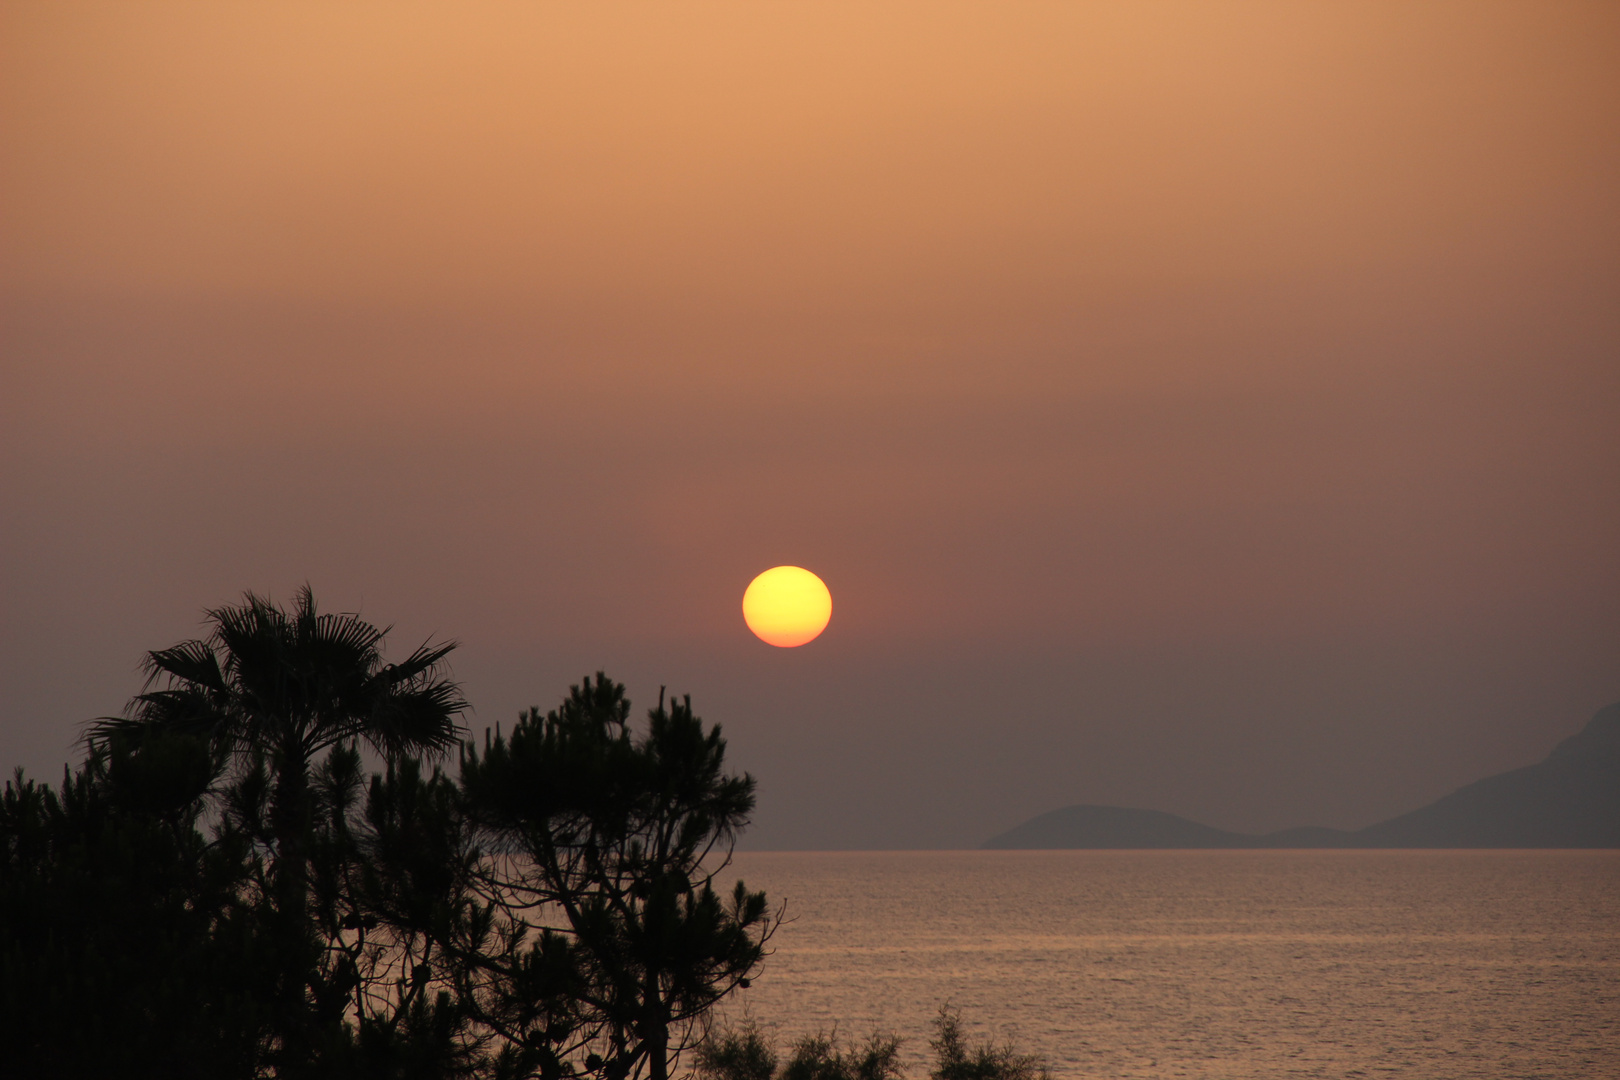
x,y
290,824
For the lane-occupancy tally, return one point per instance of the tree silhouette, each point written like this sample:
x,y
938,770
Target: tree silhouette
x,y
221,891
125,945
618,839
271,690
393,888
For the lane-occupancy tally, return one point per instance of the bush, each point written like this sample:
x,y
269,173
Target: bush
x,y
744,1053
737,1054
954,1059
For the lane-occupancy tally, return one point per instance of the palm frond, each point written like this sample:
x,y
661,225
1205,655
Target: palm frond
x,y
421,719
424,659
188,663
182,710
345,634
105,729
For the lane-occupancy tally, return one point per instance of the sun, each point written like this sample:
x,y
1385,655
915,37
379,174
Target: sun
x,y
787,606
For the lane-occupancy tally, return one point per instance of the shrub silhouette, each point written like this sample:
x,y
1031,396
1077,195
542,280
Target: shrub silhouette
x,y
744,1053
955,1059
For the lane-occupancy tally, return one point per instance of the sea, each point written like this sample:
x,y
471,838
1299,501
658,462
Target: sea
x,y
1228,964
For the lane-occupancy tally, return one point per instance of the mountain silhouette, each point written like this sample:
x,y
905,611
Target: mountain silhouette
x,y
1570,800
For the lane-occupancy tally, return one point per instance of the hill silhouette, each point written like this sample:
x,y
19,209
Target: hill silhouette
x,y
1569,800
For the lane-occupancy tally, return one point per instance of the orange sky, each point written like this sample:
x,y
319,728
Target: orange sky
x,y
1199,406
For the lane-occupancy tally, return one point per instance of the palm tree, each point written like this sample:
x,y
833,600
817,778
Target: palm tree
x,y
285,687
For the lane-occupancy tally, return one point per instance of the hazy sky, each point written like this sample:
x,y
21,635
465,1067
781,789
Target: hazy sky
x,y
1206,407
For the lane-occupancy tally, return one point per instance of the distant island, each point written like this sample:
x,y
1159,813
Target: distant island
x,y
1570,800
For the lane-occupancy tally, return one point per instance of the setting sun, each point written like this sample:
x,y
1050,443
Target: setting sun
x,y
787,606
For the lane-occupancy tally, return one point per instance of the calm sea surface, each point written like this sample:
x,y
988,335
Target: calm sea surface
x,y
1242,964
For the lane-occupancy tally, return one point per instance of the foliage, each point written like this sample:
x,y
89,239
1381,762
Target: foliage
x,y
221,890
619,838
126,947
822,1058
392,904
744,1053
740,1053
270,690
955,1059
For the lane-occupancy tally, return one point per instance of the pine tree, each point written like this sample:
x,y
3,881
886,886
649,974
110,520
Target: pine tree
x,y
614,841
